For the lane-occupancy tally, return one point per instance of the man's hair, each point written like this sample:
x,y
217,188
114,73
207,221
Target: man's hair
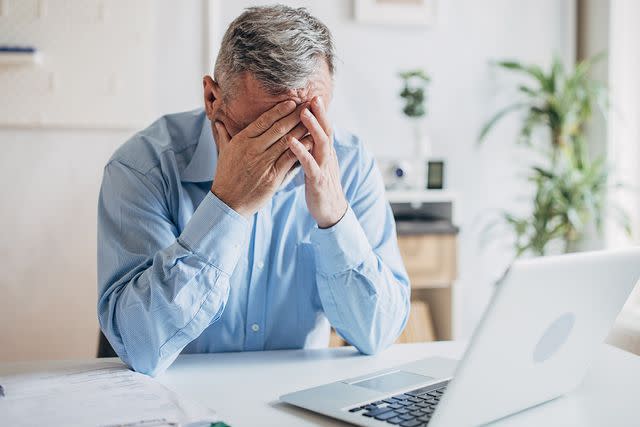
x,y
280,46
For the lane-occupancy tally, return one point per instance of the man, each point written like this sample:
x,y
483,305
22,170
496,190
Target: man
x,y
249,225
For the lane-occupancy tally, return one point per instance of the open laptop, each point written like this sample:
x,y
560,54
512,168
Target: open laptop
x,y
535,342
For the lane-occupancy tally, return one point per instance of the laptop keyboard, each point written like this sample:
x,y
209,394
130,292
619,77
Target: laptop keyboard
x,y
411,409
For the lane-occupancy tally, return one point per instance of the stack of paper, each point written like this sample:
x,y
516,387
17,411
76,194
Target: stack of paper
x,y
107,394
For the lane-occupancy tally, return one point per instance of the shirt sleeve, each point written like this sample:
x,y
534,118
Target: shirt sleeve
x,y
157,289
362,282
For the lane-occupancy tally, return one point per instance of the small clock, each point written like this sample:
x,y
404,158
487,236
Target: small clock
x,y
435,175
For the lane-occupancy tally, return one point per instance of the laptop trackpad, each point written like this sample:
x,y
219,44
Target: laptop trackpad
x,y
393,381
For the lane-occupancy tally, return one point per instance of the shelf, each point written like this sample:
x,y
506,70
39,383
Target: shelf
x,y
420,196
20,58
405,227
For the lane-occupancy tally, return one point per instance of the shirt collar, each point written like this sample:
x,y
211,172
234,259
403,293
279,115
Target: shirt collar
x,y
202,167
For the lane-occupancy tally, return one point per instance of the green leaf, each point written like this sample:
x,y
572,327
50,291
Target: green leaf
x,y
583,67
499,115
528,91
544,172
531,70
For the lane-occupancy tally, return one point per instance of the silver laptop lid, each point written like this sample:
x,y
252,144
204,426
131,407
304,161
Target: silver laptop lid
x,y
539,334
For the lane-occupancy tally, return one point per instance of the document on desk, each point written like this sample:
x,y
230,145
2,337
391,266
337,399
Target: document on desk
x,y
106,394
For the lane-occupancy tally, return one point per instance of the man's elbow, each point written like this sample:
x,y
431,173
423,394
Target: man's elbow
x,y
377,342
150,363
379,339
152,367
147,361
372,347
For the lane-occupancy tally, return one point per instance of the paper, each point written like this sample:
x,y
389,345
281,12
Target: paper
x,y
106,394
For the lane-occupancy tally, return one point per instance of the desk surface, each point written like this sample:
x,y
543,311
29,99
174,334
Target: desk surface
x,y
244,387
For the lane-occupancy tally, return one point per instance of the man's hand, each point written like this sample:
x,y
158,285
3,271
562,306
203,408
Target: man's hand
x,y
253,164
325,198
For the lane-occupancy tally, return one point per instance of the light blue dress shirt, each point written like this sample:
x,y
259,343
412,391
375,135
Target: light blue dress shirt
x,y
180,271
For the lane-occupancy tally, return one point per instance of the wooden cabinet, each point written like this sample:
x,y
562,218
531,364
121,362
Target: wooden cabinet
x,y
430,260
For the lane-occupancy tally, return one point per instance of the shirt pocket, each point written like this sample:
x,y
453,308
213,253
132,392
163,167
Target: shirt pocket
x,y
310,313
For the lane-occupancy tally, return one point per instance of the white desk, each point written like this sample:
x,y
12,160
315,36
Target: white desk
x,y
244,387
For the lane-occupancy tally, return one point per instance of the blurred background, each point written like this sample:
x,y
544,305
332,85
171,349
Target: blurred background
x,y
418,80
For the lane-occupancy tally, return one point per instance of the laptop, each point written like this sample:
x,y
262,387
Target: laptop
x,y
535,342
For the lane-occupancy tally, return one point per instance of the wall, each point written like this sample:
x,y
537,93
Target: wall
x,y
85,81
49,182
49,179
624,120
623,149
49,187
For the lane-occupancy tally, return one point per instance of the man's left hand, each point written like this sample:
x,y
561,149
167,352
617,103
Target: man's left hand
x,y
323,190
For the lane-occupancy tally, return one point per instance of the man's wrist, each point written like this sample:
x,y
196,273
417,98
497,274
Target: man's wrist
x,y
340,247
227,201
216,233
328,223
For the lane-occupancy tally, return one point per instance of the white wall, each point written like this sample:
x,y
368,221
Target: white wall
x,y
465,91
624,149
624,120
49,183
49,179
86,78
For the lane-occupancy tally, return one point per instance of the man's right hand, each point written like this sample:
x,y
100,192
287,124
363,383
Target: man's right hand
x,y
252,165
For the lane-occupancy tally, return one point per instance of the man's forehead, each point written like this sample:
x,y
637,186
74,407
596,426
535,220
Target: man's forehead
x,y
252,99
259,101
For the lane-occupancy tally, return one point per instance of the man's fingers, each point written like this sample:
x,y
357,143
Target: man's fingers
x,y
311,168
268,118
280,128
321,139
299,131
307,141
282,145
318,110
222,134
287,159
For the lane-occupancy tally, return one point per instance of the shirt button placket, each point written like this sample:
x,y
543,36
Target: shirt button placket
x,y
258,287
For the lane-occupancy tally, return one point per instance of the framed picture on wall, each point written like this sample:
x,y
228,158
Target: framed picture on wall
x,y
398,12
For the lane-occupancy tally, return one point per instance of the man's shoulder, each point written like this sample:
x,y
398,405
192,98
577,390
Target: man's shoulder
x,y
350,149
345,140
357,165
172,134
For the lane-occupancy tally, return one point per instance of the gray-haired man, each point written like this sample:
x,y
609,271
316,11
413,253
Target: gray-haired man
x,y
211,237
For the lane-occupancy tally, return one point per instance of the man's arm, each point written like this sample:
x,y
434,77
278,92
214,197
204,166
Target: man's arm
x,y
159,290
361,280
360,276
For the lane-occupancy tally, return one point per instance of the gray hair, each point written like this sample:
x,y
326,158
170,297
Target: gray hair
x,y
279,45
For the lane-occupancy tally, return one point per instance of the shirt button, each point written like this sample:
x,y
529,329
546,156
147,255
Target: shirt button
x,y
260,265
255,327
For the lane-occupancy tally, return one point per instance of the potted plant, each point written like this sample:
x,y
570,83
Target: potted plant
x,y
414,96
570,187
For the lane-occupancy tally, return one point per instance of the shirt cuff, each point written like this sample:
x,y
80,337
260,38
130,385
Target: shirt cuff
x,y
341,247
216,233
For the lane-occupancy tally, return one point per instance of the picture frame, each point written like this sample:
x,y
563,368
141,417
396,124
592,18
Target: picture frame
x,y
395,12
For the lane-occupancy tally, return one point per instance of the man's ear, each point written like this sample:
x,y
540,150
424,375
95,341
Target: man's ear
x,y
211,95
